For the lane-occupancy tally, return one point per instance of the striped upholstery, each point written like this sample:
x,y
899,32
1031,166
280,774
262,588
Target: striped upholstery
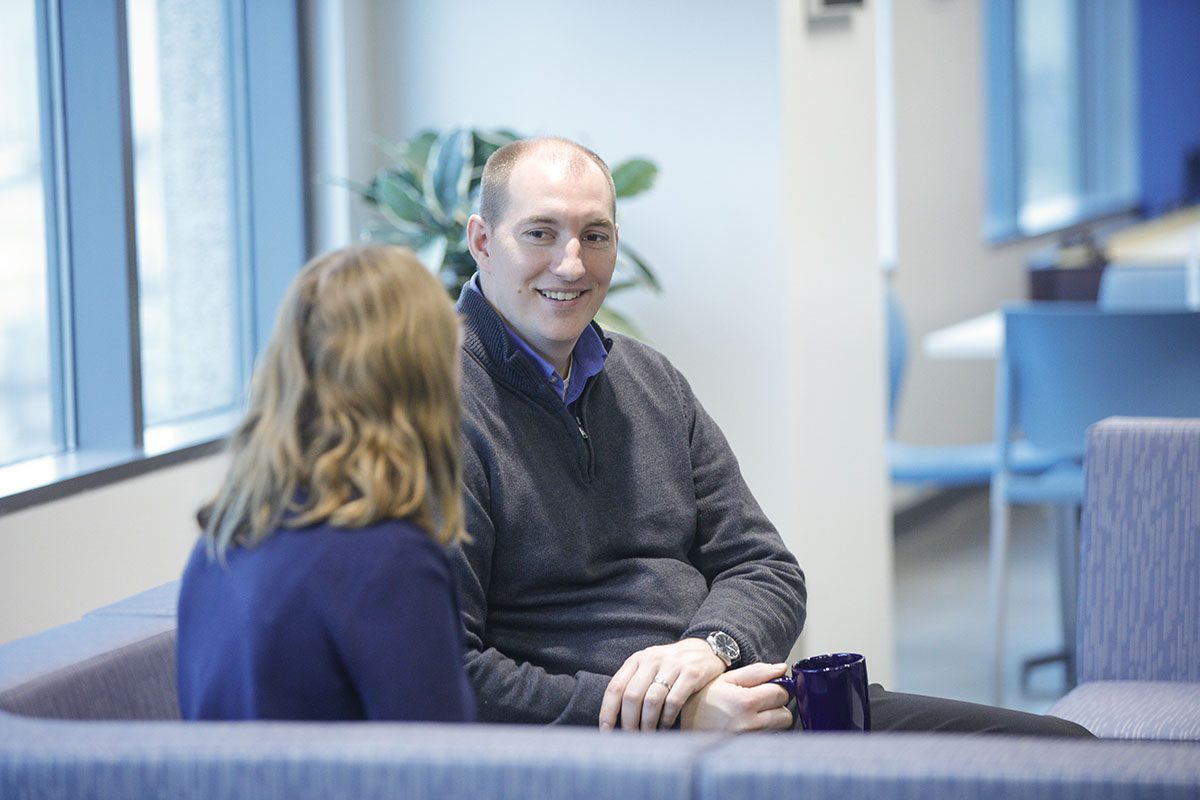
x,y
1139,598
1139,607
98,668
295,761
944,767
1135,709
118,664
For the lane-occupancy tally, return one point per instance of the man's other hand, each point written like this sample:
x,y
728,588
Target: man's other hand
x,y
652,686
740,700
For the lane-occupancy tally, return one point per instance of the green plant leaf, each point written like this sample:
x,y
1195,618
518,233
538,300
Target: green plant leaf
x,y
448,175
629,260
611,320
398,198
385,231
364,190
416,152
620,285
433,253
488,142
634,176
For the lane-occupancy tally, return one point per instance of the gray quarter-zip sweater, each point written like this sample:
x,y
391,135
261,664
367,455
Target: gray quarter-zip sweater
x,y
598,533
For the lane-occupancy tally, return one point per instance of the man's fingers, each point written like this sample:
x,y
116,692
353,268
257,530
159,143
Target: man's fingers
x,y
774,719
614,694
683,686
653,704
756,674
766,697
635,697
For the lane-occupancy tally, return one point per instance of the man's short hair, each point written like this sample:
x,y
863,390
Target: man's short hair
x,y
493,194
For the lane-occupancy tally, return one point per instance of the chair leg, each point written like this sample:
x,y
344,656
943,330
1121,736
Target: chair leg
x,y
997,582
1067,535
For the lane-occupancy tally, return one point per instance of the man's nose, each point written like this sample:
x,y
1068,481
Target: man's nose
x,y
570,266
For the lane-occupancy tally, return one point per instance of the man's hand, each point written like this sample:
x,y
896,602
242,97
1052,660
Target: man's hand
x,y
651,687
740,700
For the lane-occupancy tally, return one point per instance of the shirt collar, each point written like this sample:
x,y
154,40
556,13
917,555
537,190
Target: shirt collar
x,y
587,358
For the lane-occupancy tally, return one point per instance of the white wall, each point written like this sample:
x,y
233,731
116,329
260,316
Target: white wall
x,y
836,367
62,559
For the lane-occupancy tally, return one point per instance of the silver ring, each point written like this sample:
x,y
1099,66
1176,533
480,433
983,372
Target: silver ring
x,y
663,683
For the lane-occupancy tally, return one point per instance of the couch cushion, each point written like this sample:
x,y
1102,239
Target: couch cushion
x,y
295,761
1135,709
883,766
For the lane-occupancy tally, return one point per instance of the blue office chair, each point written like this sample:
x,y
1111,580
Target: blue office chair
x,y
1129,287
940,466
1064,367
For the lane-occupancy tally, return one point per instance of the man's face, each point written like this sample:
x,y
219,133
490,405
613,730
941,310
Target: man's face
x,y
546,263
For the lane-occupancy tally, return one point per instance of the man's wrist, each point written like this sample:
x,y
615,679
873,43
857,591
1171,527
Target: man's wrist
x,y
724,647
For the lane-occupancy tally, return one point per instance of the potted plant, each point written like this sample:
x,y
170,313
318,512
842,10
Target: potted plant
x,y
424,197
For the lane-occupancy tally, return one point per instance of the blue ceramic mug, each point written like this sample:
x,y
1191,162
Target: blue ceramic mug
x,y
830,692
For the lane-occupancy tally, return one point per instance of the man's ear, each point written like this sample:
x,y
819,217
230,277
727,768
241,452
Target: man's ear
x,y
478,239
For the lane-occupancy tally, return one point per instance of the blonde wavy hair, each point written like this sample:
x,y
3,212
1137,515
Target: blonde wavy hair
x,y
354,407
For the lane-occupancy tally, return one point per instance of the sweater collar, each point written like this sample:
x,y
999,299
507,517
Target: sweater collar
x,y
486,337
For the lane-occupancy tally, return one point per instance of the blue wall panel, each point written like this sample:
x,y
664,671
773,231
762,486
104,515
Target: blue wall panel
x,y
1169,88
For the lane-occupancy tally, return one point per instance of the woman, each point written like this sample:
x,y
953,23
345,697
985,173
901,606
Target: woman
x,y
320,588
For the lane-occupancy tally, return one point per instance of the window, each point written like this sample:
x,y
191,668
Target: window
x,y
151,175
1062,126
183,187
27,418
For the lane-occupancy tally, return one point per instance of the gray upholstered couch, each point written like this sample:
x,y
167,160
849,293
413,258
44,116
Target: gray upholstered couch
x,y
88,710
1138,638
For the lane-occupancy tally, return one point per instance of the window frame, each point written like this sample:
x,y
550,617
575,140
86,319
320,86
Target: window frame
x,y
91,239
1004,164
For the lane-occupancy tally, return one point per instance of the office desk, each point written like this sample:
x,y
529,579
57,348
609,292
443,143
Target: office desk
x,y
977,338
1167,240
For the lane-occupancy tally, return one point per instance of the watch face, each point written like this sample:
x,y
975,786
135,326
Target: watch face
x,y
725,646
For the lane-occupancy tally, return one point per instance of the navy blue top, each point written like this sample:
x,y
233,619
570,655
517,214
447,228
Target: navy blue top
x,y
323,623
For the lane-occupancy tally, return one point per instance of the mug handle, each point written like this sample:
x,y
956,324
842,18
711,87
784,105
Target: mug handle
x,y
789,682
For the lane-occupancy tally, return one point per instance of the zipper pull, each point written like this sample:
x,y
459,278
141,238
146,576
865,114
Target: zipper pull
x,y
582,432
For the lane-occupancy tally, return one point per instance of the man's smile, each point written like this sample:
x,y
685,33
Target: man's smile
x,y
560,296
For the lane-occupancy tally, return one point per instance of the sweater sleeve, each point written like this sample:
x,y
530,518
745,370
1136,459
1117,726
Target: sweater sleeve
x,y
401,638
507,690
757,593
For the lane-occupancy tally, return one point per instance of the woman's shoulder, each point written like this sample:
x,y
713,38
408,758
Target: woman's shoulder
x,y
388,546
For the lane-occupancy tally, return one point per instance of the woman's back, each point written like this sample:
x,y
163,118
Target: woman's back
x,y
323,623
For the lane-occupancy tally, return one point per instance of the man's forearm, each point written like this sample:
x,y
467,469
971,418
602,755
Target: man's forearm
x,y
508,692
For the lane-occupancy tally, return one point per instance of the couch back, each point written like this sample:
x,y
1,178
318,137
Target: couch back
x,y
116,663
1139,593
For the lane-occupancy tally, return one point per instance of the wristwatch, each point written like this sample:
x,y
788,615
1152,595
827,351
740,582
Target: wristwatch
x,y
725,646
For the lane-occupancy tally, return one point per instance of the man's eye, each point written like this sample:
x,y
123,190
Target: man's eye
x,y
596,237
538,235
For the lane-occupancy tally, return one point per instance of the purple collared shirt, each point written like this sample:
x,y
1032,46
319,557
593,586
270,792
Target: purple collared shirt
x,y
587,359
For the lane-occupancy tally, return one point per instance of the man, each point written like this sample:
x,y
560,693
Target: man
x,y
621,572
